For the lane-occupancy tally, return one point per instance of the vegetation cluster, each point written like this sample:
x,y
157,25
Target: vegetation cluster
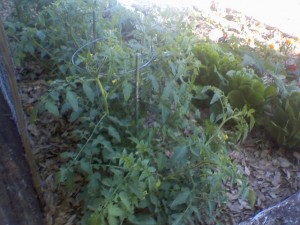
x,y
138,86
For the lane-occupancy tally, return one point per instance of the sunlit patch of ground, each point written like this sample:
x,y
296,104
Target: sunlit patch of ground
x,y
281,14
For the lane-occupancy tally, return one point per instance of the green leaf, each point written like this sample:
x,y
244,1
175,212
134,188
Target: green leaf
x,y
167,91
114,210
72,99
88,91
236,98
178,217
215,98
65,107
127,90
125,200
52,108
66,175
252,198
154,83
142,219
112,220
55,95
180,155
75,115
94,183
181,198
41,35
33,115
95,219
85,165
161,161
114,133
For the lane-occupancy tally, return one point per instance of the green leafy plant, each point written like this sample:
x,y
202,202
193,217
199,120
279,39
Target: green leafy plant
x,y
283,119
246,88
145,155
215,63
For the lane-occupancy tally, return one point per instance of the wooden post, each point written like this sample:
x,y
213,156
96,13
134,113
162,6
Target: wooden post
x,y
8,63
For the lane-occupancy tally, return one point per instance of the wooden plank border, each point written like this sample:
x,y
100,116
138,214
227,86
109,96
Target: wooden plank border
x,y
8,63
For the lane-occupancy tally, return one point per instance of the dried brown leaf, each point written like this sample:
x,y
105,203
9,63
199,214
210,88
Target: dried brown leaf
x,y
284,162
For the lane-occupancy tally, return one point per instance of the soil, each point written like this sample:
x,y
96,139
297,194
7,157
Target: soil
x,y
272,171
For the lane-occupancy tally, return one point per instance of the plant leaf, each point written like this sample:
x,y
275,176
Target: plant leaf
x,y
114,210
154,83
181,198
95,219
142,219
52,108
75,115
252,198
167,91
114,133
72,99
85,165
112,220
127,90
88,91
180,155
125,200
215,98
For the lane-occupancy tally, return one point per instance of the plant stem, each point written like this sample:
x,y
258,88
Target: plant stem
x,y
90,137
137,94
104,95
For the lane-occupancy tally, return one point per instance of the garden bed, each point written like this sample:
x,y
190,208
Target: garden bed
x,y
272,171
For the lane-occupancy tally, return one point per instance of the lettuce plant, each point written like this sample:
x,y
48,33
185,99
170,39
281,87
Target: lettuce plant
x,y
283,120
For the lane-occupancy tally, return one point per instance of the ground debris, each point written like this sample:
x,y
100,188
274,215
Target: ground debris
x,y
285,212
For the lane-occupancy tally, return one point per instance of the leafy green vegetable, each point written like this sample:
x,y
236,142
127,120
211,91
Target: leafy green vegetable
x,y
283,120
246,88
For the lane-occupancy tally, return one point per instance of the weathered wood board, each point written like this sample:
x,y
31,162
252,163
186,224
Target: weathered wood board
x,y
19,204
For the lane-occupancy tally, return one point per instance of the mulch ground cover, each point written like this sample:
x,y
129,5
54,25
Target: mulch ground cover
x,y
272,171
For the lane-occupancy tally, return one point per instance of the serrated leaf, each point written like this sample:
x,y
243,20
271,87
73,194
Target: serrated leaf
x,y
181,198
72,99
127,90
114,210
114,133
52,108
88,91
125,200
